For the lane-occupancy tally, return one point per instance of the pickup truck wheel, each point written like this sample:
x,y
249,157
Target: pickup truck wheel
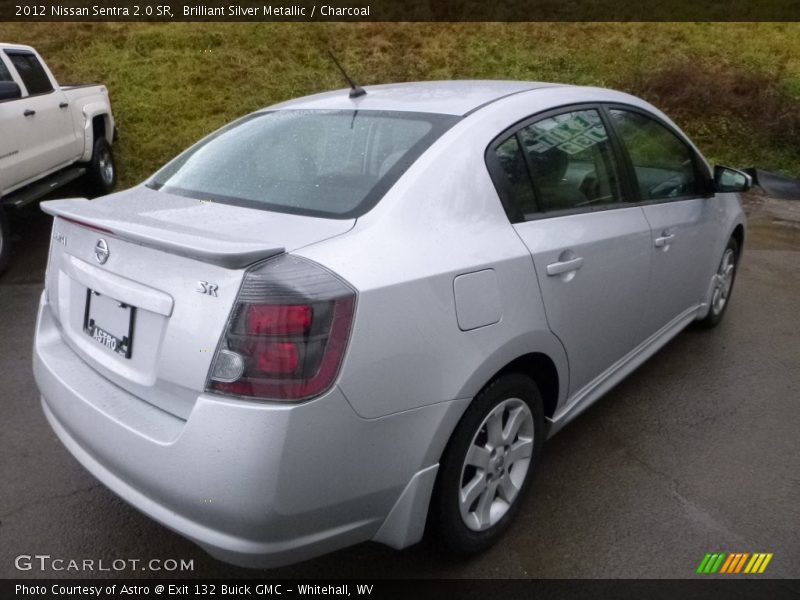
x,y
102,172
487,465
5,242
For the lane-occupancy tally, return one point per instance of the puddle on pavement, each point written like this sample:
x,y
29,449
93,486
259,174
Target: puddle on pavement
x,y
771,224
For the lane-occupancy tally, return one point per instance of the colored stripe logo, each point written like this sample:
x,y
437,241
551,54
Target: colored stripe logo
x,y
734,562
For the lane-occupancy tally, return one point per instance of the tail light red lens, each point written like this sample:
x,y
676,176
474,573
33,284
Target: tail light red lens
x,y
274,358
278,319
287,333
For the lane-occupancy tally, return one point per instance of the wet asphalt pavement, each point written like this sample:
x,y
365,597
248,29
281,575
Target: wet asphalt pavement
x,y
698,451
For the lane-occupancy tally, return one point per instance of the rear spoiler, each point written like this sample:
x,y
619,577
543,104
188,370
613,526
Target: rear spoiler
x,y
228,252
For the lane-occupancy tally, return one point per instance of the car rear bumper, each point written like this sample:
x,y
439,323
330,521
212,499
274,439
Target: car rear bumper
x,y
254,484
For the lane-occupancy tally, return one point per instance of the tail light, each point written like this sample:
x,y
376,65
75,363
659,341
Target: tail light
x,y
287,333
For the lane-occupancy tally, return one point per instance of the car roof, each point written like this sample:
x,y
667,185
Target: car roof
x,y
457,97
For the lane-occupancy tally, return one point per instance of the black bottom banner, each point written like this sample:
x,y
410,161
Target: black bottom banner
x,y
485,589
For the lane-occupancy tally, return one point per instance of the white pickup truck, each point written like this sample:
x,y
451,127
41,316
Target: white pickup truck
x,y
50,135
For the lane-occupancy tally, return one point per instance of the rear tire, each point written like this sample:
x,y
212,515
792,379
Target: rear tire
x,y
5,242
101,174
723,285
487,465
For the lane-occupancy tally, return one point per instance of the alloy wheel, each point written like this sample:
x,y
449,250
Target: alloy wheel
x,y
106,165
496,463
723,281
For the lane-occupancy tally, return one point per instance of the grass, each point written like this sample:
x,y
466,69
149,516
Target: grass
x,y
734,87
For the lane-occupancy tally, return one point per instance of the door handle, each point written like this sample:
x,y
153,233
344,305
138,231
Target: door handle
x,y
564,266
29,113
664,240
63,105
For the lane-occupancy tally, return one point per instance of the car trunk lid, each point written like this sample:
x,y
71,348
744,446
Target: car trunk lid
x,y
142,282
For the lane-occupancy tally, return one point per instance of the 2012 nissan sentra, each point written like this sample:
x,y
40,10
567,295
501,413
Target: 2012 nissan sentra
x,y
356,317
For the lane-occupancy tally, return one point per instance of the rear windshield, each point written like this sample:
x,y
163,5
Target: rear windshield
x,y
328,163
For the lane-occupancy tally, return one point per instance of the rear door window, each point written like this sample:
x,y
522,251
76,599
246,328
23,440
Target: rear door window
x,y
570,161
558,163
31,72
515,183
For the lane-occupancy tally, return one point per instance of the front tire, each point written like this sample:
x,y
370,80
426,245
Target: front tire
x,y
101,174
5,242
487,465
723,285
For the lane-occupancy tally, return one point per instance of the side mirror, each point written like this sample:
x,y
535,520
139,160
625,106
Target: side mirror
x,y
731,180
9,90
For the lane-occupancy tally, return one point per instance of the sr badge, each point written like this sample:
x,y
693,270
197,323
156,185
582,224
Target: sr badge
x,y
209,289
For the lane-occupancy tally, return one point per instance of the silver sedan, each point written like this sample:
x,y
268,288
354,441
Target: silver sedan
x,y
356,317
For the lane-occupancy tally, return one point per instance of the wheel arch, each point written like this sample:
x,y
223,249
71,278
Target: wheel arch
x,y
100,127
541,368
547,369
538,354
738,235
98,122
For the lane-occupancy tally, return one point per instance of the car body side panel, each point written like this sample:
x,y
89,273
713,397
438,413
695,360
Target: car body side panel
x,y
680,267
407,349
442,219
595,311
437,223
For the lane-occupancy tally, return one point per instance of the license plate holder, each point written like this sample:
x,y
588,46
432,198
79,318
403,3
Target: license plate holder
x,y
109,322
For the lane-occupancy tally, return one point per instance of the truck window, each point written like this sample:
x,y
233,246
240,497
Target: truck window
x,y
4,74
30,70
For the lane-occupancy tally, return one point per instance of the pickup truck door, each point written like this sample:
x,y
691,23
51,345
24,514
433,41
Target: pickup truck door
x,y
38,127
9,140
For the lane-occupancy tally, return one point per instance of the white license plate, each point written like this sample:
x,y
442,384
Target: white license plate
x,y
109,322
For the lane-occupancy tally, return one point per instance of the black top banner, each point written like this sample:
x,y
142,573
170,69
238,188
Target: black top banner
x,y
386,10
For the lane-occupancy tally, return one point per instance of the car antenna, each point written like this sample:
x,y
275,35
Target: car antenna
x,y
355,89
